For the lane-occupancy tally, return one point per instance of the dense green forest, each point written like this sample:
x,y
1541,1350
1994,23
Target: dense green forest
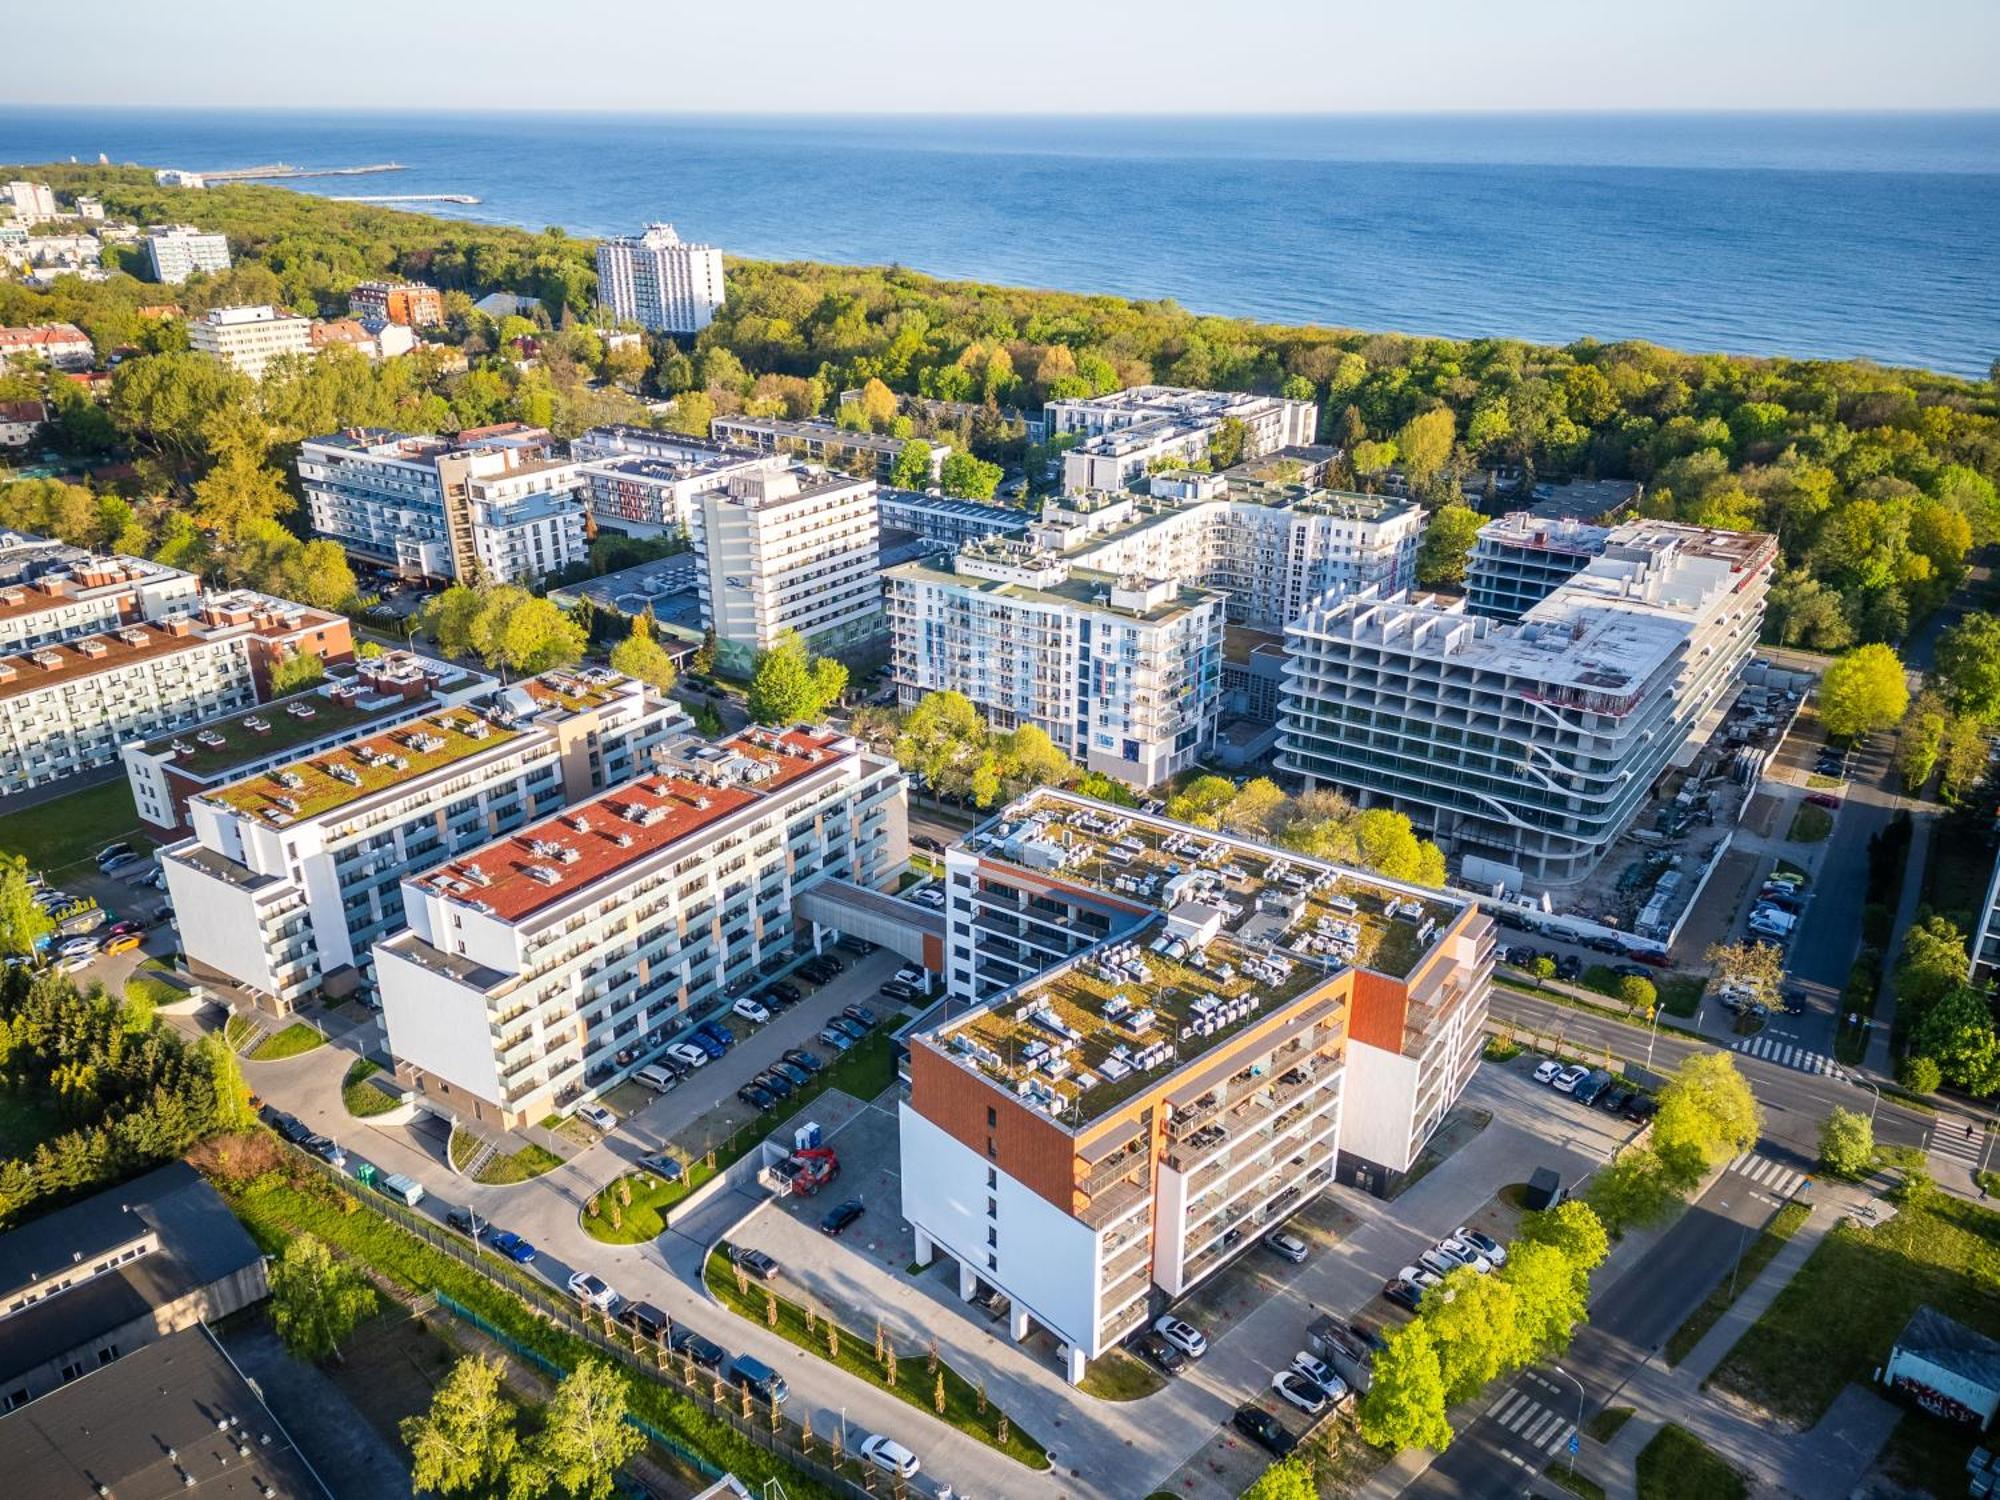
x,y
1878,481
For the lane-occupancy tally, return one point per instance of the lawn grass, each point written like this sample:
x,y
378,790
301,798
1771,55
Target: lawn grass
x,y
277,1209
1926,1456
517,1166
1836,1320
1677,1465
361,1096
1782,1227
147,986
1810,824
862,1072
1117,1375
295,1039
1607,1424
1576,1484
914,1381
1680,994
236,1031
646,1217
69,830
26,1120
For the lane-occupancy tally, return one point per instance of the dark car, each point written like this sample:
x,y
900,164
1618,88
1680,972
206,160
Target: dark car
x,y
644,1319
291,1128
772,1001
1265,1430
772,1082
1614,1101
926,842
662,1165
854,1029
1161,1355
1631,971
792,1073
860,947
325,1148
713,1046
837,1039
798,1057
895,989
1595,1083
1405,1294
1641,1107
840,1216
717,1030
686,1341
1569,966
757,1097
756,1262
860,1014
790,993
513,1247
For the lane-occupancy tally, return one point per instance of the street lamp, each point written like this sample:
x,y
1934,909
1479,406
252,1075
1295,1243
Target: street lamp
x,y
1655,1036
1576,1440
1878,1097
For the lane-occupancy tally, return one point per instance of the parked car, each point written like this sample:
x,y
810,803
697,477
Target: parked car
x,y
837,1039
1824,799
776,1084
645,1320
927,843
1642,1107
655,1077
1456,1249
121,942
1595,1083
1422,1275
751,1011
327,1149
840,1216
895,989
716,1031
711,1047
1485,1244
1566,1081
1569,967
110,854
663,1166
1265,1430
1161,1355
593,1291
1405,1294
597,1116
688,1054
759,1379
861,1015
703,1352
1183,1336
799,1057
792,1073
1300,1391
1547,1070
1439,1264
119,929
890,1456
513,1247
756,1096
291,1128
756,1262
860,947
77,947
1613,1101
855,1030
1289,1246
788,992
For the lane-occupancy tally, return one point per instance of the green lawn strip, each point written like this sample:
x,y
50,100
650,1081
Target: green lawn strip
x,y
861,1073
914,1384
1576,1484
148,985
1567,1000
359,1093
1836,1319
1857,997
26,1118
1606,1424
516,1166
1781,1228
66,831
275,1212
1810,824
1677,1465
236,1031
1117,1375
646,1217
461,1148
293,1040
1680,994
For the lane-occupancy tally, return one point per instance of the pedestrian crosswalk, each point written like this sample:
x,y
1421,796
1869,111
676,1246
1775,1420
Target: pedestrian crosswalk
x,y
1960,1139
1533,1413
1772,1176
1785,1055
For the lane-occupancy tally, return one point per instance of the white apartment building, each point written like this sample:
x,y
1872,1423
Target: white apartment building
x,y
89,596
491,502
548,965
1122,671
660,281
1529,745
1127,433
249,339
292,873
1175,1039
69,707
945,521
1521,559
32,202
825,443
646,483
63,346
175,252
786,549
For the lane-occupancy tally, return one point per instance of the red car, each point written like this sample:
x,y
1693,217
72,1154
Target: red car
x,y
1824,799
120,929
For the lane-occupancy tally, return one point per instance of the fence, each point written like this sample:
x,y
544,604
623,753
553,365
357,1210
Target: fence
x,y
769,1429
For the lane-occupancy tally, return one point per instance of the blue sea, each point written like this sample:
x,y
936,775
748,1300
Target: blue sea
x,y
1837,235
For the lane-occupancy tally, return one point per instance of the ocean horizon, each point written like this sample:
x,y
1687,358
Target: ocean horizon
x,y
1781,234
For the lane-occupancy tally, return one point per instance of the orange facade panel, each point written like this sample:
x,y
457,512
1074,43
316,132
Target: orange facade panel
x,y
1025,1143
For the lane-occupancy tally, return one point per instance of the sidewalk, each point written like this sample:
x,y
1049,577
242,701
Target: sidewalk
x,y
1923,818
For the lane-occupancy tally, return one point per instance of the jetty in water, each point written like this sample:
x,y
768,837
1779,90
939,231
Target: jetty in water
x,y
271,171
403,198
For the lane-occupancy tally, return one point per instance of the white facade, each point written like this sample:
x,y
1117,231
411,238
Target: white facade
x,y
62,345
1533,743
1521,559
1124,434
647,483
1123,673
819,442
175,252
69,707
787,549
291,874
91,596
659,281
551,964
492,502
248,339
949,522
32,202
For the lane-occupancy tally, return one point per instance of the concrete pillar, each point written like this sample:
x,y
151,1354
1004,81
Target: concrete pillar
x,y
1017,1323
925,1247
968,1282
1074,1362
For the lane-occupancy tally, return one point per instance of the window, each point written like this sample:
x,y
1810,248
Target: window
x,y
992,1117
992,1179
992,1261
991,1151
992,1208
992,1237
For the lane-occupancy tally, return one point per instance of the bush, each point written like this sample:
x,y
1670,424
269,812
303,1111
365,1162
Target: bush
x,y
1921,1075
1847,1143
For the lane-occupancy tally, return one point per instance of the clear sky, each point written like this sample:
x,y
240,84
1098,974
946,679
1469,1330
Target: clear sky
x,y
1019,56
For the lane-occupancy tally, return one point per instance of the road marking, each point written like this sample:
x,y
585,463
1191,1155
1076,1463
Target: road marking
x,y
1557,1438
1767,1173
1520,1418
1948,1138
1784,1055
1541,1429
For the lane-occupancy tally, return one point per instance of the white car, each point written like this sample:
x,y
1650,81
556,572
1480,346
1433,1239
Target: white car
x,y
594,1291
750,1010
1320,1373
595,1114
1566,1081
1418,1276
688,1055
1288,1245
1183,1336
1546,1070
1300,1391
1485,1244
1465,1254
76,947
889,1456
1438,1263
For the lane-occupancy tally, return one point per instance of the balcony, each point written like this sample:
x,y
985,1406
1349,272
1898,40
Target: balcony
x,y
1120,1199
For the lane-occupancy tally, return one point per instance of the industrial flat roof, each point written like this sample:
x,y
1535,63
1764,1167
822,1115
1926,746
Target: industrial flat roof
x,y
67,661
216,747
1083,586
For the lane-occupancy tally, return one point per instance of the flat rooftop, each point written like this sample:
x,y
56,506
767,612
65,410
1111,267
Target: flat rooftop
x,y
575,691
947,505
1082,586
67,661
514,877
214,749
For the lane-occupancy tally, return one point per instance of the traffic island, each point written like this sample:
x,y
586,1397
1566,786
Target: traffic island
x,y
633,1209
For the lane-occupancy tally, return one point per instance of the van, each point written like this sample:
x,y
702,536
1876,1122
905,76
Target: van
x,y
656,1078
759,1379
407,1190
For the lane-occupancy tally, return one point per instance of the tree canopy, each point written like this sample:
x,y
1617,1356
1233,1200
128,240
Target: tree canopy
x,y
792,686
1863,690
